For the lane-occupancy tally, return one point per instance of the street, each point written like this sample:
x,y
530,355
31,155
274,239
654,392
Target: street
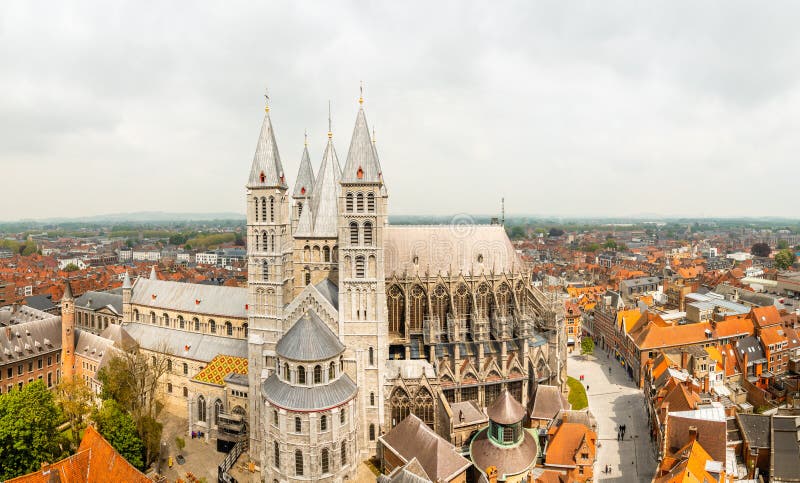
x,y
614,400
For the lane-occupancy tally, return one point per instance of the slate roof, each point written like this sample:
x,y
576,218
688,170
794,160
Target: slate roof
x,y
309,339
505,409
411,472
755,429
752,347
330,291
308,398
91,346
325,199
39,302
213,299
191,345
362,154
305,176
448,249
785,448
266,159
96,300
27,339
509,460
412,438
547,402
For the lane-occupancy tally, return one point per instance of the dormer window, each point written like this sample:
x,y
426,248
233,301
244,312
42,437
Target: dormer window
x,y
360,173
262,176
303,190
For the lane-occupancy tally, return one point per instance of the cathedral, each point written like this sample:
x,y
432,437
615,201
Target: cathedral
x,y
352,323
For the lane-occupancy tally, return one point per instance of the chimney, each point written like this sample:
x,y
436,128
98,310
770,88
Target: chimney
x,y
684,360
14,308
664,411
724,363
491,474
692,434
744,364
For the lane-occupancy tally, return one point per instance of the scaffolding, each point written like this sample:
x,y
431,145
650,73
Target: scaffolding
x,y
456,328
431,330
480,329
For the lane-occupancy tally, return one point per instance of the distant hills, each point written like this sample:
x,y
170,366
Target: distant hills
x,y
142,217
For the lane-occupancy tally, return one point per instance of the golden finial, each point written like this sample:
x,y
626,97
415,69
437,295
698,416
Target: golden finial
x,y
266,100
330,131
373,134
305,137
361,93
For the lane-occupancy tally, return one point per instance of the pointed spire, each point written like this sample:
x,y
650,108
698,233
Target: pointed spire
x,y
67,291
153,275
303,187
330,128
325,199
267,170
126,282
362,164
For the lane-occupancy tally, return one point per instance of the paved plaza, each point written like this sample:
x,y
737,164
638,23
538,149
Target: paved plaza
x,y
614,399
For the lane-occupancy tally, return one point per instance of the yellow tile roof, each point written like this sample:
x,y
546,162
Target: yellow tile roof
x,y
219,367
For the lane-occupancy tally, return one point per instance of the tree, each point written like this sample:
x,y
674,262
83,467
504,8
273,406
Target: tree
x,y
29,248
71,267
587,346
555,232
76,402
119,429
180,443
783,244
760,249
610,244
784,259
28,435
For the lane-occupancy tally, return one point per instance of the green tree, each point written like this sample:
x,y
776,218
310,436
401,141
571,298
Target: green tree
x,y
29,248
75,401
783,244
760,250
28,435
555,232
587,346
71,267
118,427
784,259
610,244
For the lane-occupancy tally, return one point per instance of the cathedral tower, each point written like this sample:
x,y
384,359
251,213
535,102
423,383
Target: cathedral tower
x,y
67,334
269,265
362,301
303,188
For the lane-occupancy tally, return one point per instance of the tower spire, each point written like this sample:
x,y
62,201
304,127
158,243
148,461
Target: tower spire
x,y
330,128
361,93
266,170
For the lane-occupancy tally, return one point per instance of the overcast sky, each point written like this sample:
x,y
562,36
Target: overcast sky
x,y
564,108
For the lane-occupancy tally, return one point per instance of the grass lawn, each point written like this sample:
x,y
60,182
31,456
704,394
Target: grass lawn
x,y
577,394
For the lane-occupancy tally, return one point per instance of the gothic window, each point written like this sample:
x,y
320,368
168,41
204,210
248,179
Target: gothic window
x,y
181,322
298,425
306,253
265,271
372,432
217,410
301,375
277,454
272,241
515,388
462,302
417,308
423,406
504,300
317,374
264,242
325,462
491,392
353,233
263,209
360,202
212,326
298,463
271,208
396,302
483,301
360,270
326,253
371,202
331,371
344,454
440,303
228,328
367,233
323,423
201,409
469,393
371,356
372,399
349,202
400,405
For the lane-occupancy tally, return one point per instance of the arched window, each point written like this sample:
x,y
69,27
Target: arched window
x,y
331,371
244,329
185,369
349,202
217,410
265,271
275,417
316,253
277,454
367,233
342,416
212,326
371,202
152,317
228,328
286,374
323,423
169,387
263,209
136,315
299,208
417,308
164,320
371,356
360,269
264,242
326,253
397,310
298,463
185,391
196,324
256,210
344,454
372,399
169,365
360,202
372,432
325,462
353,233
201,409
307,276
423,406
298,425
401,405
272,241
318,375
181,322
271,208
301,375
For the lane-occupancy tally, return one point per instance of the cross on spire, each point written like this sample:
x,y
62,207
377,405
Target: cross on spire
x,y
266,99
361,92
330,130
305,137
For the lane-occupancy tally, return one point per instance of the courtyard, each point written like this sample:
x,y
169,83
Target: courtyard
x,y
614,400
